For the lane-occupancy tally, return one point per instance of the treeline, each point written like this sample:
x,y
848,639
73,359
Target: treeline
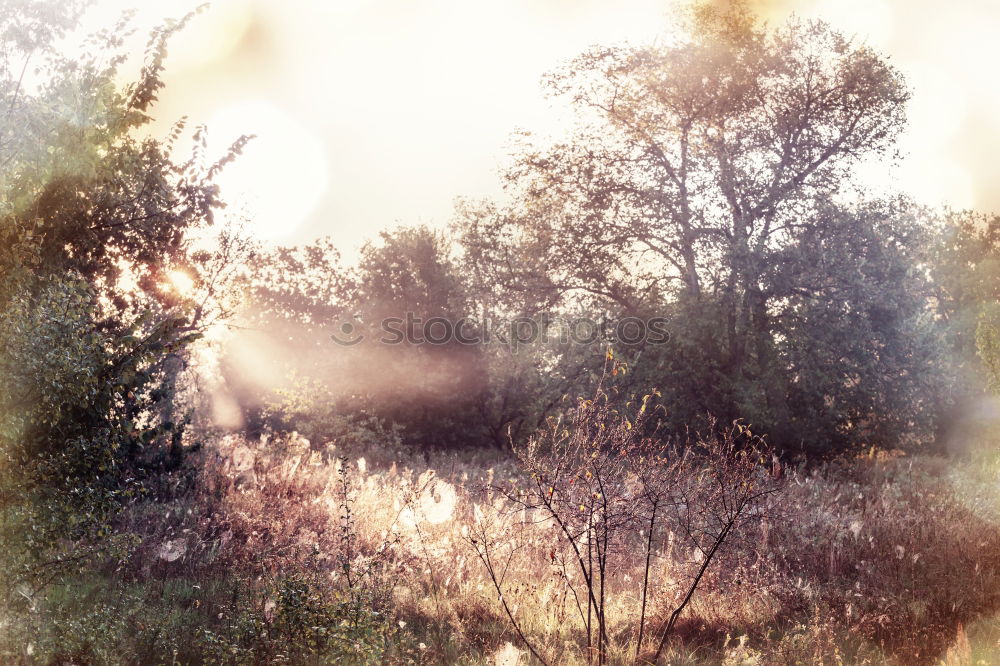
x,y
708,186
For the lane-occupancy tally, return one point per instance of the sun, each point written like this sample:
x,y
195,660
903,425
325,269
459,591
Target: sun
x,y
282,174
180,282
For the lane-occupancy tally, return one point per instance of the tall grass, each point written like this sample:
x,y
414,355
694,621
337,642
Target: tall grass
x,y
286,552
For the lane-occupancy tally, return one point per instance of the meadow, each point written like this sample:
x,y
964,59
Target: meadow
x,y
691,387
284,551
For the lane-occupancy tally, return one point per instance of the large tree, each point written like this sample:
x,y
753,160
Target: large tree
x,y
701,181
88,199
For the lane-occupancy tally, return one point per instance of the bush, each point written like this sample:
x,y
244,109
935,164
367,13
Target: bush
x,y
618,514
297,621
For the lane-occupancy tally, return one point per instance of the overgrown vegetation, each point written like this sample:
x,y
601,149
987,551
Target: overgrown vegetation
x,y
811,481
870,560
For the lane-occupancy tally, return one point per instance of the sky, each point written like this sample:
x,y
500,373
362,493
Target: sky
x,y
375,113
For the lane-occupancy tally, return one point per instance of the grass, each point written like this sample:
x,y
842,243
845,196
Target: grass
x,y
876,560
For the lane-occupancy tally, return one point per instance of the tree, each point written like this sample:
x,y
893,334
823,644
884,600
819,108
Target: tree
x,y
86,201
412,306
696,182
290,299
965,269
388,311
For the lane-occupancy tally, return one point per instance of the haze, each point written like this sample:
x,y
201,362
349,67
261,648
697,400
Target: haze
x,y
374,113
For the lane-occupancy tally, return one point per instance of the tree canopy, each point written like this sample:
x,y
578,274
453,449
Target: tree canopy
x,y
705,180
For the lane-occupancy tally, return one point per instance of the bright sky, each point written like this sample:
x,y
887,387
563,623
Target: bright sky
x,y
372,113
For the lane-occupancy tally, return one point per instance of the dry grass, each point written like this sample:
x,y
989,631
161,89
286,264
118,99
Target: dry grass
x,y
875,560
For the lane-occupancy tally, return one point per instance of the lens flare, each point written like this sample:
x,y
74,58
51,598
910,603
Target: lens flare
x,y
180,282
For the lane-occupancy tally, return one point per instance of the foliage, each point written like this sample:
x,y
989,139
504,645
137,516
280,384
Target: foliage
x,y
709,181
405,284
988,344
78,415
304,297
86,385
871,560
309,408
606,499
298,623
700,183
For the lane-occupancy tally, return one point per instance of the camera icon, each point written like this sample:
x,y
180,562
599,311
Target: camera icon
x,y
347,334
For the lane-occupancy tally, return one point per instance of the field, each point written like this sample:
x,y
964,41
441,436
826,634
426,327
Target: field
x,y
286,551
705,370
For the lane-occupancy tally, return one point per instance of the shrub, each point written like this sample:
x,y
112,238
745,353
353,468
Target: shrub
x,y
620,515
